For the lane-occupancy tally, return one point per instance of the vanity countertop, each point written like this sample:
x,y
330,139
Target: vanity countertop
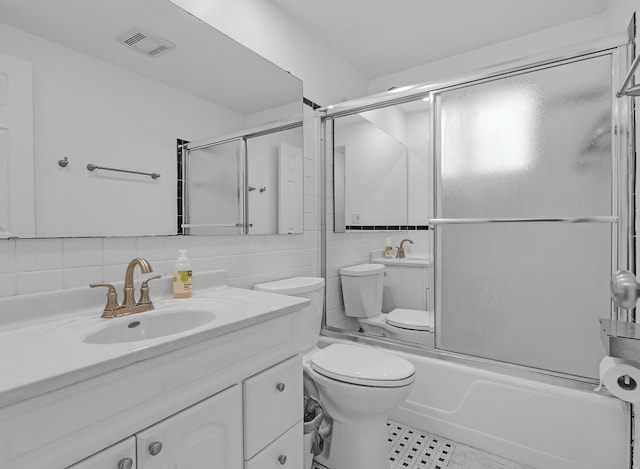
x,y
41,353
407,261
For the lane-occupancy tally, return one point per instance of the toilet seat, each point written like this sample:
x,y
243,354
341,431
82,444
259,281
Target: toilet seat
x,y
412,319
364,366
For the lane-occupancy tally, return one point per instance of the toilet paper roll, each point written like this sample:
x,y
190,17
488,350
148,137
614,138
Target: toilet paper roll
x,y
621,378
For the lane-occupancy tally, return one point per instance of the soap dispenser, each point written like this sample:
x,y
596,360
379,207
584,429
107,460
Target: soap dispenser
x,y
182,276
388,249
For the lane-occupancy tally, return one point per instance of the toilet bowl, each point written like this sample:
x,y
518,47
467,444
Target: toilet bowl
x,y
362,288
357,385
410,325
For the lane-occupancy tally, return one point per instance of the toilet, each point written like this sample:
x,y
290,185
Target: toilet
x,y
356,385
362,287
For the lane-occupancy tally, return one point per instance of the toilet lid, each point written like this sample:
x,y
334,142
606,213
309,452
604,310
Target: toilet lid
x,y
365,366
413,319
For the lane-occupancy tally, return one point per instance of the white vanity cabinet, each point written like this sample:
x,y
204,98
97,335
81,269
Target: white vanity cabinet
x,y
207,434
119,456
198,401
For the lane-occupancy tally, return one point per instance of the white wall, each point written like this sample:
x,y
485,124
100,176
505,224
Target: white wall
x,y
328,78
375,173
576,32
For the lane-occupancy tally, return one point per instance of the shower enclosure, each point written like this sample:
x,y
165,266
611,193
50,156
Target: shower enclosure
x,y
524,180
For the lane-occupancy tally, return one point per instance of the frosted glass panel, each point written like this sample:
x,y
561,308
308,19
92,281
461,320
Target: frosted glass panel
x,y
214,189
525,293
536,144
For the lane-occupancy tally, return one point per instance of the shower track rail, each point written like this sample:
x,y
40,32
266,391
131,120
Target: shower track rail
x,y
461,221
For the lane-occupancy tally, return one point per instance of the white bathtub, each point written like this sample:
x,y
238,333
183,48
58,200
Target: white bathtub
x,y
543,425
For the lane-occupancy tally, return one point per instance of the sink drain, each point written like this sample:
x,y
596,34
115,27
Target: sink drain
x,y
133,324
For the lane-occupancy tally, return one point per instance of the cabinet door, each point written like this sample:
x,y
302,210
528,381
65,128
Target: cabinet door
x,y
207,435
119,456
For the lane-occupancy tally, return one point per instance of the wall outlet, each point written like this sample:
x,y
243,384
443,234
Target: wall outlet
x,y
355,218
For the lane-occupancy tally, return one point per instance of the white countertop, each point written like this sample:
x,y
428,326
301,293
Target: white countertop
x,y
40,353
407,261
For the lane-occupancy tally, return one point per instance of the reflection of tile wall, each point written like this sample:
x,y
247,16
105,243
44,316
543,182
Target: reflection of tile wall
x,y
36,265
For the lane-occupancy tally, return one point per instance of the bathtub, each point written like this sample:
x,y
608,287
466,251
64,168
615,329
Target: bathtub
x,y
543,425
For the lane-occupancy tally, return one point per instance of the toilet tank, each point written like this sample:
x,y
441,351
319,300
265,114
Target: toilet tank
x,y
362,289
305,287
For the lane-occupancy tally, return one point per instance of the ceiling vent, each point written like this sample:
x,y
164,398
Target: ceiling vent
x,y
145,42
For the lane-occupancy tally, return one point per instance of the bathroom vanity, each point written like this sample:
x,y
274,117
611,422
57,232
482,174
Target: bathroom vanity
x,y
226,393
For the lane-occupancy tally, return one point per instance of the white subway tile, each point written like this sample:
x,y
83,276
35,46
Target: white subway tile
x,y
7,256
118,250
201,246
39,281
309,168
38,254
310,222
175,243
201,264
310,186
310,203
82,252
114,273
82,277
7,285
151,248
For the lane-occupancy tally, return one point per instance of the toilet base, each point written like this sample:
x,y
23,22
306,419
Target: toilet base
x,y
357,448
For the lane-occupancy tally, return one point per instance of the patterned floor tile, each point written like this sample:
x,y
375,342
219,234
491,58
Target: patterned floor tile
x,y
409,448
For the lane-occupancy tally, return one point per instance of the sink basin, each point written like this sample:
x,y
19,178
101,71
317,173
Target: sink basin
x,y
149,325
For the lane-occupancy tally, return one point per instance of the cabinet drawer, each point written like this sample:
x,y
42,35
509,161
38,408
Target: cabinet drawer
x,y
284,453
272,404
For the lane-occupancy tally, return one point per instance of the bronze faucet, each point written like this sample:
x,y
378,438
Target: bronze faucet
x,y
129,305
400,253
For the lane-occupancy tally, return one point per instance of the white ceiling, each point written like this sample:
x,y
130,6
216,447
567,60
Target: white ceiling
x,y
379,37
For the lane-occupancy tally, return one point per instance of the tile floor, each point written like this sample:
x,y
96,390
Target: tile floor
x,y
412,449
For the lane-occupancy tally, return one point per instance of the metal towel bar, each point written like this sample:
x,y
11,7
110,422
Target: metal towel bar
x,y
92,167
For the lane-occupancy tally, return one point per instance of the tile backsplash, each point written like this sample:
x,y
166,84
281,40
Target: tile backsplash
x,y
37,265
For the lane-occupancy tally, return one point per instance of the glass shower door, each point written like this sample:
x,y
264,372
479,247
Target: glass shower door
x,y
516,158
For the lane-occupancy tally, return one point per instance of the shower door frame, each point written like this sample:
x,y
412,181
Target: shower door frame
x,y
623,256
621,194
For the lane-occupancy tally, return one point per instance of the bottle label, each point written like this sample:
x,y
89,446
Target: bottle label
x,y
388,251
182,281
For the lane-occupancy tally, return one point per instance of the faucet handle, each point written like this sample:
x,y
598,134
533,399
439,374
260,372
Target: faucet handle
x,y
144,290
112,296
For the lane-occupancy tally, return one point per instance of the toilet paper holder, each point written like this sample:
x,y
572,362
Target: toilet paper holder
x,y
621,339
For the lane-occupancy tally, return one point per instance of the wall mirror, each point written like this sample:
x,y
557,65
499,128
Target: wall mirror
x,y
116,84
380,163
245,184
